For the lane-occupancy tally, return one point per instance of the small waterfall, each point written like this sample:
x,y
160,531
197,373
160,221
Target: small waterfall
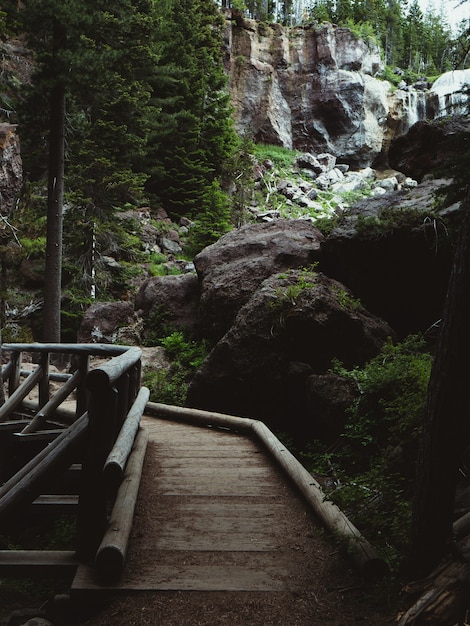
x,y
452,92
414,106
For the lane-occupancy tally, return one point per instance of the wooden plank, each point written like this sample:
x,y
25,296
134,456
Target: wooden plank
x,y
234,508
36,563
214,452
176,539
254,489
57,504
214,462
188,578
198,472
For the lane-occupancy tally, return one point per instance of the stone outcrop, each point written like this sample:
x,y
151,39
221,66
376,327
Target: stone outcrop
x,y
297,317
430,146
11,168
394,252
109,322
308,88
232,269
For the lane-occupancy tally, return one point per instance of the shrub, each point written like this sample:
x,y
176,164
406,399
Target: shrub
x,y
186,355
372,465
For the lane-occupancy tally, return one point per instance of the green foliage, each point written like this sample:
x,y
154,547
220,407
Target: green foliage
x,y
373,463
282,158
295,282
186,355
187,352
346,300
391,220
194,134
362,30
212,222
35,246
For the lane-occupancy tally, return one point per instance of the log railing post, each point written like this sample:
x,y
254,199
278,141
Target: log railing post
x,y
44,382
14,380
82,392
92,513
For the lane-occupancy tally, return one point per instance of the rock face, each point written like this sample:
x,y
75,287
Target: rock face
x,y
11,169
315,88
109,322
309,88
231,270
298,317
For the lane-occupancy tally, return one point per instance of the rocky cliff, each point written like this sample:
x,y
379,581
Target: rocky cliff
x,y
315,88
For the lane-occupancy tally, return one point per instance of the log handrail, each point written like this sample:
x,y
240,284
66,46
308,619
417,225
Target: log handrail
x,y
49,408
116,462
108,373
108,402
20,393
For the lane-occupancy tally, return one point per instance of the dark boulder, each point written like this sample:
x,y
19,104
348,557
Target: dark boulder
x,y
169,301
109,322
430,146
328,397
395,253
234,267
297,317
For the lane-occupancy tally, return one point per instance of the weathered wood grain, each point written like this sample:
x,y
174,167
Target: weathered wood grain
x,y
220,516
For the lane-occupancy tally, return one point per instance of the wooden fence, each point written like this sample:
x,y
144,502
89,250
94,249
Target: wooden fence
x,y
41,441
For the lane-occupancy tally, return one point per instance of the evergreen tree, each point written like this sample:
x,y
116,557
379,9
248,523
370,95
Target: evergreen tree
x,y
197,134
106,54
413,38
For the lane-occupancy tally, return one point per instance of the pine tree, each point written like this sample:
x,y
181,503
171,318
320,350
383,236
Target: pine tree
x,y
197,134
103,62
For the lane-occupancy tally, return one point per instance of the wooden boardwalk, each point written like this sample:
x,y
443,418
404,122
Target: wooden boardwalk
x,y
213,514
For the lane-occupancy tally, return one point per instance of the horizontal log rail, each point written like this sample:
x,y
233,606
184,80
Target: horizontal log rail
x,y
116,462
25,482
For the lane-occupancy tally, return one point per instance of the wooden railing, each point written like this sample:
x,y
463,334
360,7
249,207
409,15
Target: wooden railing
x,y
96,434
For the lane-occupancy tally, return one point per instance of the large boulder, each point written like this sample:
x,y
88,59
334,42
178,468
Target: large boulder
x,y
232,269
169,301
109,322
297,317
430,146
395,252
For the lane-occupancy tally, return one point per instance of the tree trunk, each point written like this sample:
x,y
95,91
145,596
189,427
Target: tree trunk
x,y
447,417
55,201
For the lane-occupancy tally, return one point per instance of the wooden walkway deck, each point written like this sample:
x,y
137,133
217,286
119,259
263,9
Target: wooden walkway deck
x,y
213,514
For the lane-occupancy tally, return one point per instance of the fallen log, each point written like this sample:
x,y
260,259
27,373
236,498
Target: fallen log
x,y
444,597
111,554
